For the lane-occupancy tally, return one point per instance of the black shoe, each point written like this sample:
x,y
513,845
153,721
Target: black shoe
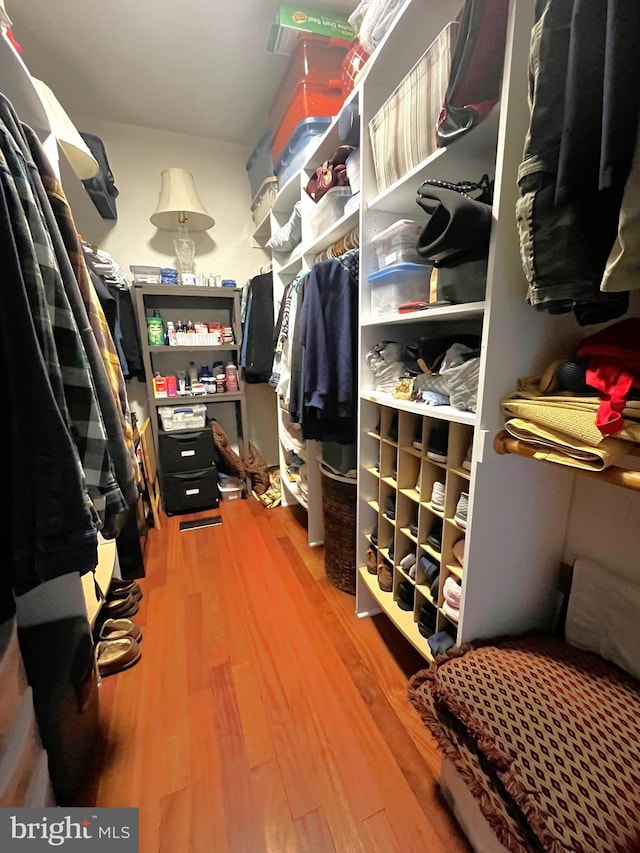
x,y
434,537
429,567
406,594
438,442
392,433
374,536
427,617
390,507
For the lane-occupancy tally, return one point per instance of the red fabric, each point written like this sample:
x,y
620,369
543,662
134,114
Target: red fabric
x,y
614,367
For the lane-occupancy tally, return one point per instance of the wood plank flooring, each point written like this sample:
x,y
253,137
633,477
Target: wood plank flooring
x,y
264,715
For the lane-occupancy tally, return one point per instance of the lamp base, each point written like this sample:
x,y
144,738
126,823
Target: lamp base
x,y
185,249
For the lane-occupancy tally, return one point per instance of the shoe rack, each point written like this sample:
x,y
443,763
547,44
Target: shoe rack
x,y
395,450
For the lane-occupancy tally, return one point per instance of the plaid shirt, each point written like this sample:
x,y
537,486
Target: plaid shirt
x,y
102,354
62,345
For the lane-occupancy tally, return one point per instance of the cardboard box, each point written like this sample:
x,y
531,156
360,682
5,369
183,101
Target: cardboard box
x,y
292,20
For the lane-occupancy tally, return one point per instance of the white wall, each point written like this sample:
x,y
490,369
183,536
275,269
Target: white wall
x,y
137,156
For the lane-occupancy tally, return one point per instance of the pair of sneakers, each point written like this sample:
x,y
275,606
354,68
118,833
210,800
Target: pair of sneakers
x,y
462,508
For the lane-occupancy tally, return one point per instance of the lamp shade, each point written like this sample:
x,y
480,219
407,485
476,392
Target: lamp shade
x,y
178,197
76,150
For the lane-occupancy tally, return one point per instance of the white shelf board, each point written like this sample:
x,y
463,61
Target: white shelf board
x,y
287,196
339,229
330,140
291,266
103,574
437,312
445,413
262,232
468,158
402,619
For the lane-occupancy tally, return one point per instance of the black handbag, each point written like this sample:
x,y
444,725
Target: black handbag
x,y
458,227
476,69
456,236
102,188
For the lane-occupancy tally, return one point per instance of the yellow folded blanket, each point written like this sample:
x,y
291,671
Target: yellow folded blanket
x,y
572,415
555,446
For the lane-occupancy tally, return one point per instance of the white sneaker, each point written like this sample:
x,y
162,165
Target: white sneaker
x,y
418,485
460,516
437,496
467,459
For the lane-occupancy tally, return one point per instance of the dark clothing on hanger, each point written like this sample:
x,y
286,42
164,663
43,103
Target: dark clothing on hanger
x,y
564,247
257,335
329,334
49,531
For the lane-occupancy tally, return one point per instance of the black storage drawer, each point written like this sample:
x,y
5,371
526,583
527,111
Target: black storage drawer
x,y
190,491
187,450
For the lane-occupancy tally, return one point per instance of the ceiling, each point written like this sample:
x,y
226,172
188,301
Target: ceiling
x,y
193,66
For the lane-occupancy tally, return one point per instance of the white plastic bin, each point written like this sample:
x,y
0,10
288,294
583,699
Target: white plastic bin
x,y
328,210
183,417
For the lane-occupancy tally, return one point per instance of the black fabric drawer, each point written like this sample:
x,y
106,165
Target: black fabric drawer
x,y
190,491
187,450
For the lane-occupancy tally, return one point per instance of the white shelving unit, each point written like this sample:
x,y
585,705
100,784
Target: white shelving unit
x,y
285,269
517,512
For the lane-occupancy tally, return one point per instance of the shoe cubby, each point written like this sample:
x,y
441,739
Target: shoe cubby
x,y
399,451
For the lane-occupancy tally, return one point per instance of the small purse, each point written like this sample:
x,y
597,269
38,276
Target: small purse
x,y
404,388
332,173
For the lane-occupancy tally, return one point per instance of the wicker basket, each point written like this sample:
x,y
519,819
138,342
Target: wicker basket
x,y
339,513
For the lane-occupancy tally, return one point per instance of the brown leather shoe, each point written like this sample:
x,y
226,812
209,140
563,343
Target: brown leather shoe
x,y
116,655
372,562
118,629
385,576
116,608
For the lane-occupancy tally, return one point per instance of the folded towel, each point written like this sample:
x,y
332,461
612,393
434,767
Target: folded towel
x,y
452,613
452,592
570,414
554,446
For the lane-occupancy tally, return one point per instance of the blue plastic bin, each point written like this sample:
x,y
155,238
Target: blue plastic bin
x,y
259,166
301,142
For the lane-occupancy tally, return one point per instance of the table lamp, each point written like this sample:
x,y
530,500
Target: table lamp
x,y
180,209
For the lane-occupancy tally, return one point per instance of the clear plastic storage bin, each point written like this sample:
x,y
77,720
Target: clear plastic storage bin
x,y
400,283
145,274
182,417
328,210
397,244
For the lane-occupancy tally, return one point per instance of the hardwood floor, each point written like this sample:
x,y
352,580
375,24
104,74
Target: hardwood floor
x,y
264,715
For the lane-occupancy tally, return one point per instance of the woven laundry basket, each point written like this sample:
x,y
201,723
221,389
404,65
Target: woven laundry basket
x,y
339,514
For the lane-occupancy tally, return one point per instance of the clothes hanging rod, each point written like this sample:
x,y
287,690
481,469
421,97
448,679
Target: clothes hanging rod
x,y
505,443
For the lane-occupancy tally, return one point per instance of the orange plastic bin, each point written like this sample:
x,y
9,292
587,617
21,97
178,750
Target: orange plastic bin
x,y
314,58
310,98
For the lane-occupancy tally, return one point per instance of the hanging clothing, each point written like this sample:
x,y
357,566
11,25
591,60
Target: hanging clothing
x,y
329,334
50,530
105,368
564,246
257,333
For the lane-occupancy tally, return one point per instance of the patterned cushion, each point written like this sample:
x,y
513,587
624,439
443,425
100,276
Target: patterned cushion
x,y
553,730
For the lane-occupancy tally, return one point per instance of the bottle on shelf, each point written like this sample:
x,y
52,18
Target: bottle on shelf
x,y
172,337
192,372
231,376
